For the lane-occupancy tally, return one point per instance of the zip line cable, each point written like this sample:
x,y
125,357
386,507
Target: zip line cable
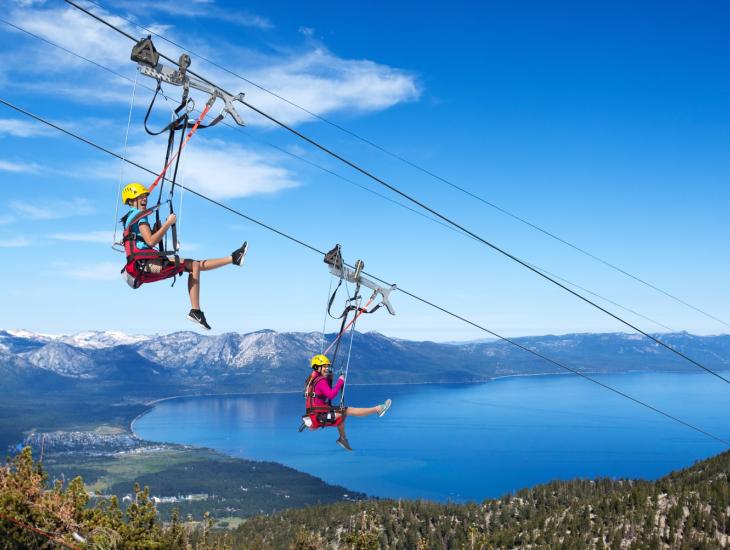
x,y
230,126
670,329
428,172
407,293
485,241
326,170
424,206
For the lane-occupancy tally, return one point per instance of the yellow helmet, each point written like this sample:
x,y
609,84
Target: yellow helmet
x,y
132,191
319,361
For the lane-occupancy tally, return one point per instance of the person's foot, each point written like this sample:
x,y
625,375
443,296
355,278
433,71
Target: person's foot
x,y
198,317
239,254
384,407
342,442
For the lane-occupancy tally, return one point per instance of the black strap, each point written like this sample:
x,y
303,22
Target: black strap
x,y
128,234
175,124
332,301
339,340
162,245
172,191
142,214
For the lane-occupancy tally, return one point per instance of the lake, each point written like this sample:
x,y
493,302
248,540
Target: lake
x,y
467,442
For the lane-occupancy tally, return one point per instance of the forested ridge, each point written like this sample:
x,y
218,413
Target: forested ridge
x,y
686,509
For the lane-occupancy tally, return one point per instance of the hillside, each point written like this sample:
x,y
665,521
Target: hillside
x,y
686,509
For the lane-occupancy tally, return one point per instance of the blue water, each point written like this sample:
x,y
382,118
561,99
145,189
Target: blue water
x,y
456,442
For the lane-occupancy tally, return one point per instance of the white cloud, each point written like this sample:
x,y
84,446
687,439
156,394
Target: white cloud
x,y
324,83
52,210
6,220
19,168
95,93
249,20
311,76
199,9
76,31
221,170
101,237
15,242
102,271
22,128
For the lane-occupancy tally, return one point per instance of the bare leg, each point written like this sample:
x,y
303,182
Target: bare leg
x,y
207,265
341,429
356,411
194,284
194,268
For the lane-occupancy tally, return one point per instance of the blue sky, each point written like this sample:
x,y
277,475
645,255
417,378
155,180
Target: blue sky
x,y
605,123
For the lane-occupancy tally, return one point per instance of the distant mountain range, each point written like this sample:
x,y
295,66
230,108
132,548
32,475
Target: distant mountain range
x,y
267,360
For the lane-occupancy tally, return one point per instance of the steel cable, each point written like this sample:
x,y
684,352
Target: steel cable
x,y
407,293
422,205
430,173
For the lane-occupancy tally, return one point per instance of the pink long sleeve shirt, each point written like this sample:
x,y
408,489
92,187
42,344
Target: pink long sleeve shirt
x,y
322,387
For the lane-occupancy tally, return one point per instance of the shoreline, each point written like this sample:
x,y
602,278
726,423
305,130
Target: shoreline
x,y
148,406
536,386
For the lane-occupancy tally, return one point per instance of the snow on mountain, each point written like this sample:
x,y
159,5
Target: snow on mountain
x,y
90,339
40,337
230,350
14,342
62,359
102,339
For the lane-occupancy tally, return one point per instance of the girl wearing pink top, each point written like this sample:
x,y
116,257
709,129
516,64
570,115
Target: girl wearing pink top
x,y
319,394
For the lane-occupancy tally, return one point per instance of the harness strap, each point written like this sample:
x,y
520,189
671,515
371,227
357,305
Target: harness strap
x,y
137,259
128,235
312,383
187,139
172,193
175,124
361,310
142,214
332,300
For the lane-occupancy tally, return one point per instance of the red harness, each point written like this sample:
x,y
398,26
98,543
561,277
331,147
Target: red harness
x,y
138,258
322,416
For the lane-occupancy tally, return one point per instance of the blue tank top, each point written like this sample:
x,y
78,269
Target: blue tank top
x,y
135,227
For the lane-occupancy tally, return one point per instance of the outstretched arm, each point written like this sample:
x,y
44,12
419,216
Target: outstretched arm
x,y
323,388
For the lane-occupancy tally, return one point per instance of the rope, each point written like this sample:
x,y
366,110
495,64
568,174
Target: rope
x,y
322,253
359,312
349,354
180,207
344,316
183,145
326,314
123,164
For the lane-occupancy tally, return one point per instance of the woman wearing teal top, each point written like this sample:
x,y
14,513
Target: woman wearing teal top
x,y
135,195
